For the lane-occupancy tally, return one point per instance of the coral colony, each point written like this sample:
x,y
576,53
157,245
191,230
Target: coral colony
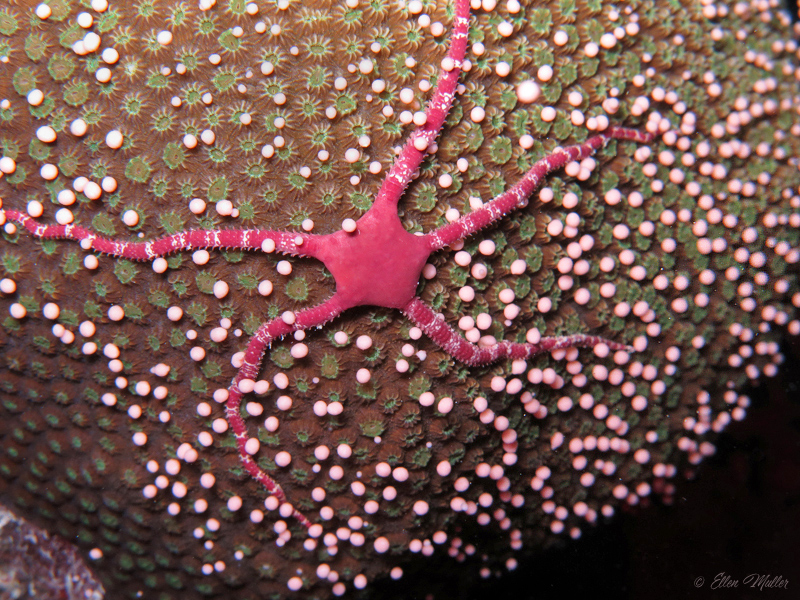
x,y
427,278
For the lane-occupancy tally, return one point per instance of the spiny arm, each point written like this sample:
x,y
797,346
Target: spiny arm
x,y
518,195
449,340
259,342
407,163
297,244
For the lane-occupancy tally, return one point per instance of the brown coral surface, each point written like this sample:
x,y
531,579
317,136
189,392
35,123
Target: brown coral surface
x,y
148,118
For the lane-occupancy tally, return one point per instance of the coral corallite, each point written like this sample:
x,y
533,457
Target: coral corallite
x,y
293,291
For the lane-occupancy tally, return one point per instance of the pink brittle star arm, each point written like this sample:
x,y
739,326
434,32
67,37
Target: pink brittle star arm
x,y
258,344
297,244
448,339
518,195
410,157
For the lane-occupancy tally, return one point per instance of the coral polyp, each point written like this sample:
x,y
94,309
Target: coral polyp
x,y
392,228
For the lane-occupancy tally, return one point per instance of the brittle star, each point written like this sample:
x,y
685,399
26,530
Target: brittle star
x,y
374,261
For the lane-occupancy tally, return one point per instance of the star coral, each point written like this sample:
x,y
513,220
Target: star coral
x,y
371,431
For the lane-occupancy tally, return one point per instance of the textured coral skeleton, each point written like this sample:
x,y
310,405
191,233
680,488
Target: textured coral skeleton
x,y
376,440
36,565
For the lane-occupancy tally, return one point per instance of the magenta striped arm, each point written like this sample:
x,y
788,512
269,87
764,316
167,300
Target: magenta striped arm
x,y
519,194
287,242
405,166
448,339
258,344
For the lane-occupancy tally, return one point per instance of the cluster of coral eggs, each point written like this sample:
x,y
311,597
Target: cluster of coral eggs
x,y
143,119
